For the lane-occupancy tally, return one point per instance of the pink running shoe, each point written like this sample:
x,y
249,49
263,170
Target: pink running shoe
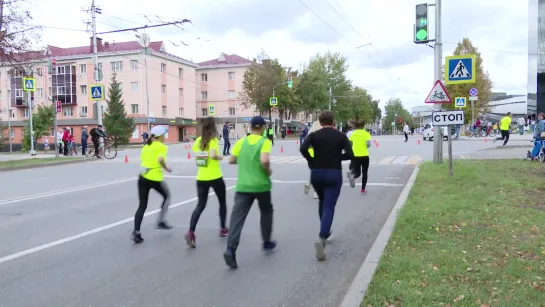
x,y
190,239
224,232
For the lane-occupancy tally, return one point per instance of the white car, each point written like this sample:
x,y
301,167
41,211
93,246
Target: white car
x,y
427,134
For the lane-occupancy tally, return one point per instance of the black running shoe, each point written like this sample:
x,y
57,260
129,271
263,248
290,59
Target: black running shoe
x,y
163,225
137,237
230,258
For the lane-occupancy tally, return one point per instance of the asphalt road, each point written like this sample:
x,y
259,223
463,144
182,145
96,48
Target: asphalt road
x,y
64,238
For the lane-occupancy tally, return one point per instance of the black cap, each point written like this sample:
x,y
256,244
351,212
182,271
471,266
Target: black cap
x,y
258,121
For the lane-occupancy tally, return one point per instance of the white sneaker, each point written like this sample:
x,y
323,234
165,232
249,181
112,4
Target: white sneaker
x,y
315,196
307,188
351,179
320,249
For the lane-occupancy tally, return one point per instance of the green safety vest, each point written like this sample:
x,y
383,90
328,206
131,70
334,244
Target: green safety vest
x,y
252,177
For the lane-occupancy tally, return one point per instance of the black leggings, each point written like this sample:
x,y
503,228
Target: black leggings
x,y
144,186
218,185
504,136
359,167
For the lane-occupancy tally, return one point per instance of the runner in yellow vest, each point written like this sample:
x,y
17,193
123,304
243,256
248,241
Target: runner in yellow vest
x,y
207,157
359,166
505,125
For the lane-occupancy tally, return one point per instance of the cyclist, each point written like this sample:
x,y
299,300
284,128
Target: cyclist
x,y
153,158
96,134
206,149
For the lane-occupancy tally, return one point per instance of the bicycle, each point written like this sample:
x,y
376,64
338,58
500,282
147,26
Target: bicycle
x,y
107,149
541,156
438,95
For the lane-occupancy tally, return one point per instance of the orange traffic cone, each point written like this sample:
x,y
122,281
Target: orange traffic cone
x,y
376,144
418,142
281,149
126,159
185,146
485,140
296,142
188,155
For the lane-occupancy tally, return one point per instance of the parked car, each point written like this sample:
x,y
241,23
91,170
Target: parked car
x,y
427,134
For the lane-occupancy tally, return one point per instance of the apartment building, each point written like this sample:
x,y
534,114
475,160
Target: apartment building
x,y
220,90
171,84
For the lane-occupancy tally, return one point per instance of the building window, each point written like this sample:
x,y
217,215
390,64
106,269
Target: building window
x,y
12,133
64,87
82,69
181,112
39,72
204,95
83,89
61,90
164,109
180,72
40,92
117,66
134,86
204,111
163,89
83,111
61,70
18,93
204,77
99,65
231,111
163,67
134,64
231,76
181,92
12,113
232,95
67,112
26,113
134,109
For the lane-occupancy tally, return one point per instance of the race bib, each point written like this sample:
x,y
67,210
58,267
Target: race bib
x,y
201,159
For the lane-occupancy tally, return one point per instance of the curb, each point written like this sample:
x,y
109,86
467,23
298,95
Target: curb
x,y
357,289
43,165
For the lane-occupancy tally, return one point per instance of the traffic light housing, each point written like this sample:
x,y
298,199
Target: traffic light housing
x,y
421,33
290,82
59,108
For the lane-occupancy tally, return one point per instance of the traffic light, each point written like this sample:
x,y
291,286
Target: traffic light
x,y
59,108
421,35
290,82
51,66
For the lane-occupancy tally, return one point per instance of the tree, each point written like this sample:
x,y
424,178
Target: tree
x,y
376,112
116,122
43,118
354,106
320,74
17,36
3,135
394,111
483,83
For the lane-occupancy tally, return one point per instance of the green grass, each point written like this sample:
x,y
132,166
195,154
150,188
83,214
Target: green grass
x,y
476,239
33,161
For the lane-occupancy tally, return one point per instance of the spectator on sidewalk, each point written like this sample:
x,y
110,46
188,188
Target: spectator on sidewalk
x,y
58,141
521,122
84,138
65,140
226,143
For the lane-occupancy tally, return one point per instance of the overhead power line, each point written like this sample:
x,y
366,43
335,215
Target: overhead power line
x,y
318,16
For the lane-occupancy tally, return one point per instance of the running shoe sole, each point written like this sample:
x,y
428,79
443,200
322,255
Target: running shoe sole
x,y
320,251
351,179
190,242
229,261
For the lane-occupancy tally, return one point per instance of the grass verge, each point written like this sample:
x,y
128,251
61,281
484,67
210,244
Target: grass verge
x,y
476,239
33,161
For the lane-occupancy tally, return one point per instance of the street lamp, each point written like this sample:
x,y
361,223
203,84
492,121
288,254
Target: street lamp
x,y
144,41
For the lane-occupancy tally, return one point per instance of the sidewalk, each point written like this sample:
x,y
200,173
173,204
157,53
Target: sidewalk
x,y
20,156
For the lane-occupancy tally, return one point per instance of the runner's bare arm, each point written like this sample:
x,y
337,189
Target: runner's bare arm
x,y
265,162
214,155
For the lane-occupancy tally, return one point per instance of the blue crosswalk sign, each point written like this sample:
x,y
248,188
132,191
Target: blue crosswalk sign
x,y
460,102
97,92
460,69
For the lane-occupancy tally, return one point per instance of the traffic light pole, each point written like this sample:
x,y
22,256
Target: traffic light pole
x,y
437,133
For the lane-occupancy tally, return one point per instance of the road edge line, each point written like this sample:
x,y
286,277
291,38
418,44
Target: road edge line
x,y
359,285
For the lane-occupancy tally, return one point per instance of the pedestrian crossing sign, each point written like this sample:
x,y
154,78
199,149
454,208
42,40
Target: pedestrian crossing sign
x,y
29,84
460,102
211,110
273,101
460,69
96,92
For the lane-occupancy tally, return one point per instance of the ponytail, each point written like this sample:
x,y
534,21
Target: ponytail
x,y
150,139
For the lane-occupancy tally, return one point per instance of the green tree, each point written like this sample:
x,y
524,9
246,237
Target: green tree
x,y
395,110
320,74
116,122
3,135
354,106
43,118
376,112
483,83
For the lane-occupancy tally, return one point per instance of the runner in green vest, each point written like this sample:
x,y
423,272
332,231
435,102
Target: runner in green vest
x,y
252,156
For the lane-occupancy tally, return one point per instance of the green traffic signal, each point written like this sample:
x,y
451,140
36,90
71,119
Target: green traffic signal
x,y
290,83
422,35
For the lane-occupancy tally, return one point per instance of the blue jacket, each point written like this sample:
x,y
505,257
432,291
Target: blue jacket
x,y
225,131
540,127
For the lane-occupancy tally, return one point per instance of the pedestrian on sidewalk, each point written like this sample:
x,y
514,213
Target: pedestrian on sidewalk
x,y
206,149
253,182
84,139
521,122
326,172
315,127
226,143
406,131
505,124
359,166
153,163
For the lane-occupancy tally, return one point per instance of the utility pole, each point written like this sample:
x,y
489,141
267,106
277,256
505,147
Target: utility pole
x,y
438,46
28,72
330,97
95,60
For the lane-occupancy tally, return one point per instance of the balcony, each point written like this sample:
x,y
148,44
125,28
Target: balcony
x,y
19,102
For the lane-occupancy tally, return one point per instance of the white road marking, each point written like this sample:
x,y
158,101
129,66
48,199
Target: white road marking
x,y
59,192
400,160
92,231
